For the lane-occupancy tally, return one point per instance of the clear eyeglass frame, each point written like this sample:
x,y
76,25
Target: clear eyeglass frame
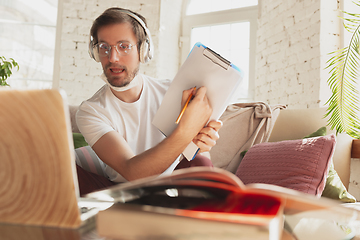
x,y
104,49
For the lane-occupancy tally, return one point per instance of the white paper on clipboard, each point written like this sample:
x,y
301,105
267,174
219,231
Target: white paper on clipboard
x,y
203,67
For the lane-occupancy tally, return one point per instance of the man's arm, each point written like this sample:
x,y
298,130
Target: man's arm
x,y
115,152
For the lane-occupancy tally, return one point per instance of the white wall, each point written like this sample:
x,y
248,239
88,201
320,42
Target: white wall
x,y
78,74
168,51
290,59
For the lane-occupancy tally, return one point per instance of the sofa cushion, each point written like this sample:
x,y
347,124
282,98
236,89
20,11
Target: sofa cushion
x,y
79,140
301,164
320,132
335,189
73,109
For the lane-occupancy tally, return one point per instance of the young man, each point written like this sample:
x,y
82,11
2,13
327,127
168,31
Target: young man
x,y
116,121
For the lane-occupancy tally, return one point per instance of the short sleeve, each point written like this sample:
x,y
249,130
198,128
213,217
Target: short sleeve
x,y
93,122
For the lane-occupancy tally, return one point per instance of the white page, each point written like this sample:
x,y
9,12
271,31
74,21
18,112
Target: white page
x,y
197,71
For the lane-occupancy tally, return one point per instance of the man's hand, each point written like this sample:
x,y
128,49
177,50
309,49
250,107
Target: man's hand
x,y
196,116
208,136
197,113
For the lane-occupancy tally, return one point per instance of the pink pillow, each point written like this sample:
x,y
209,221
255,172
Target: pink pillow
x,y
297,164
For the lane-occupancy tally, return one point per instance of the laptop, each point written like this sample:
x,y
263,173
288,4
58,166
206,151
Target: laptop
x,y
38,173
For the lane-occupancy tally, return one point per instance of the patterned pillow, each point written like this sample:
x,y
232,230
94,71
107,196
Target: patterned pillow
x,y
301,164
86,158
334,187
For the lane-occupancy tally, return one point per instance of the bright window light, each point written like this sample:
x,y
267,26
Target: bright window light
x,y
206,6
230,41
27,34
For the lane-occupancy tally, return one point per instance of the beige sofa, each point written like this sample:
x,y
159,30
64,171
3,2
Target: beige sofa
x,y
296,123
288,124
291,124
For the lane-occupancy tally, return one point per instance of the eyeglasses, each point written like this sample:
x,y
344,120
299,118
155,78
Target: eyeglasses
x,y
122,48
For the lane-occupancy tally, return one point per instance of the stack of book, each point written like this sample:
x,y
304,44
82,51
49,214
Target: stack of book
x,y
204,203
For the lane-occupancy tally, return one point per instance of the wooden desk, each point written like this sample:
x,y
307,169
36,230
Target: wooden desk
x,y
24,232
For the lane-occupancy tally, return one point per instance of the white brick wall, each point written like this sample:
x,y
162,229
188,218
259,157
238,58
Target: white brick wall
x,y
290,60
79,74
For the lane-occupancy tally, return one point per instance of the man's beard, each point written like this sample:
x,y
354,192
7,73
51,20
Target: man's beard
x,y
128,78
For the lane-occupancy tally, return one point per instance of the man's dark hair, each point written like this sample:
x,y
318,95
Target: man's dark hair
x,y
116,15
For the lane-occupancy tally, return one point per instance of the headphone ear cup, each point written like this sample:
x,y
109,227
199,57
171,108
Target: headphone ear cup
x,y
144,52
92,54
95,55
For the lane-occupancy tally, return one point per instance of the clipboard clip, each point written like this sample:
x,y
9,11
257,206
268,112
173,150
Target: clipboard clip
x,y
216,58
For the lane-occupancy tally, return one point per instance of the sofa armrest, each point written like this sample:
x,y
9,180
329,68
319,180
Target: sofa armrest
x,y
73,109
294,124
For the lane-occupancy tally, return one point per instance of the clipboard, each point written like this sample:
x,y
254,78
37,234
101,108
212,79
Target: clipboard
x,y
203,67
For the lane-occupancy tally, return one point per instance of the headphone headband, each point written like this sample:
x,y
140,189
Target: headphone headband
x,y
146,49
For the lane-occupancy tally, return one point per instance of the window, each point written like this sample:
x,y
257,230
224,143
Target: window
x,y
27,34
205,6
230,32
350,7
232,41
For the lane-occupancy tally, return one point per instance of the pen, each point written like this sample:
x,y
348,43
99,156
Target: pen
x,y
185,106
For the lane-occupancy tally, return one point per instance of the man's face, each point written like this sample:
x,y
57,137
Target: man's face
x,y
119,70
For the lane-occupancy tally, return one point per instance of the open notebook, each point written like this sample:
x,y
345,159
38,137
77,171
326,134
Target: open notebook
x,y
37,174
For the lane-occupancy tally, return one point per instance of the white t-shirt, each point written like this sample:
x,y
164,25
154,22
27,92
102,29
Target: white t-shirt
x,y
104,112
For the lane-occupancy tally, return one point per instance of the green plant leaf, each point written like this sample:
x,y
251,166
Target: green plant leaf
x,y
6,69
343,105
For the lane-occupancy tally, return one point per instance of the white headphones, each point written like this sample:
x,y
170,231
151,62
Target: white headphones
x,y
146,48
